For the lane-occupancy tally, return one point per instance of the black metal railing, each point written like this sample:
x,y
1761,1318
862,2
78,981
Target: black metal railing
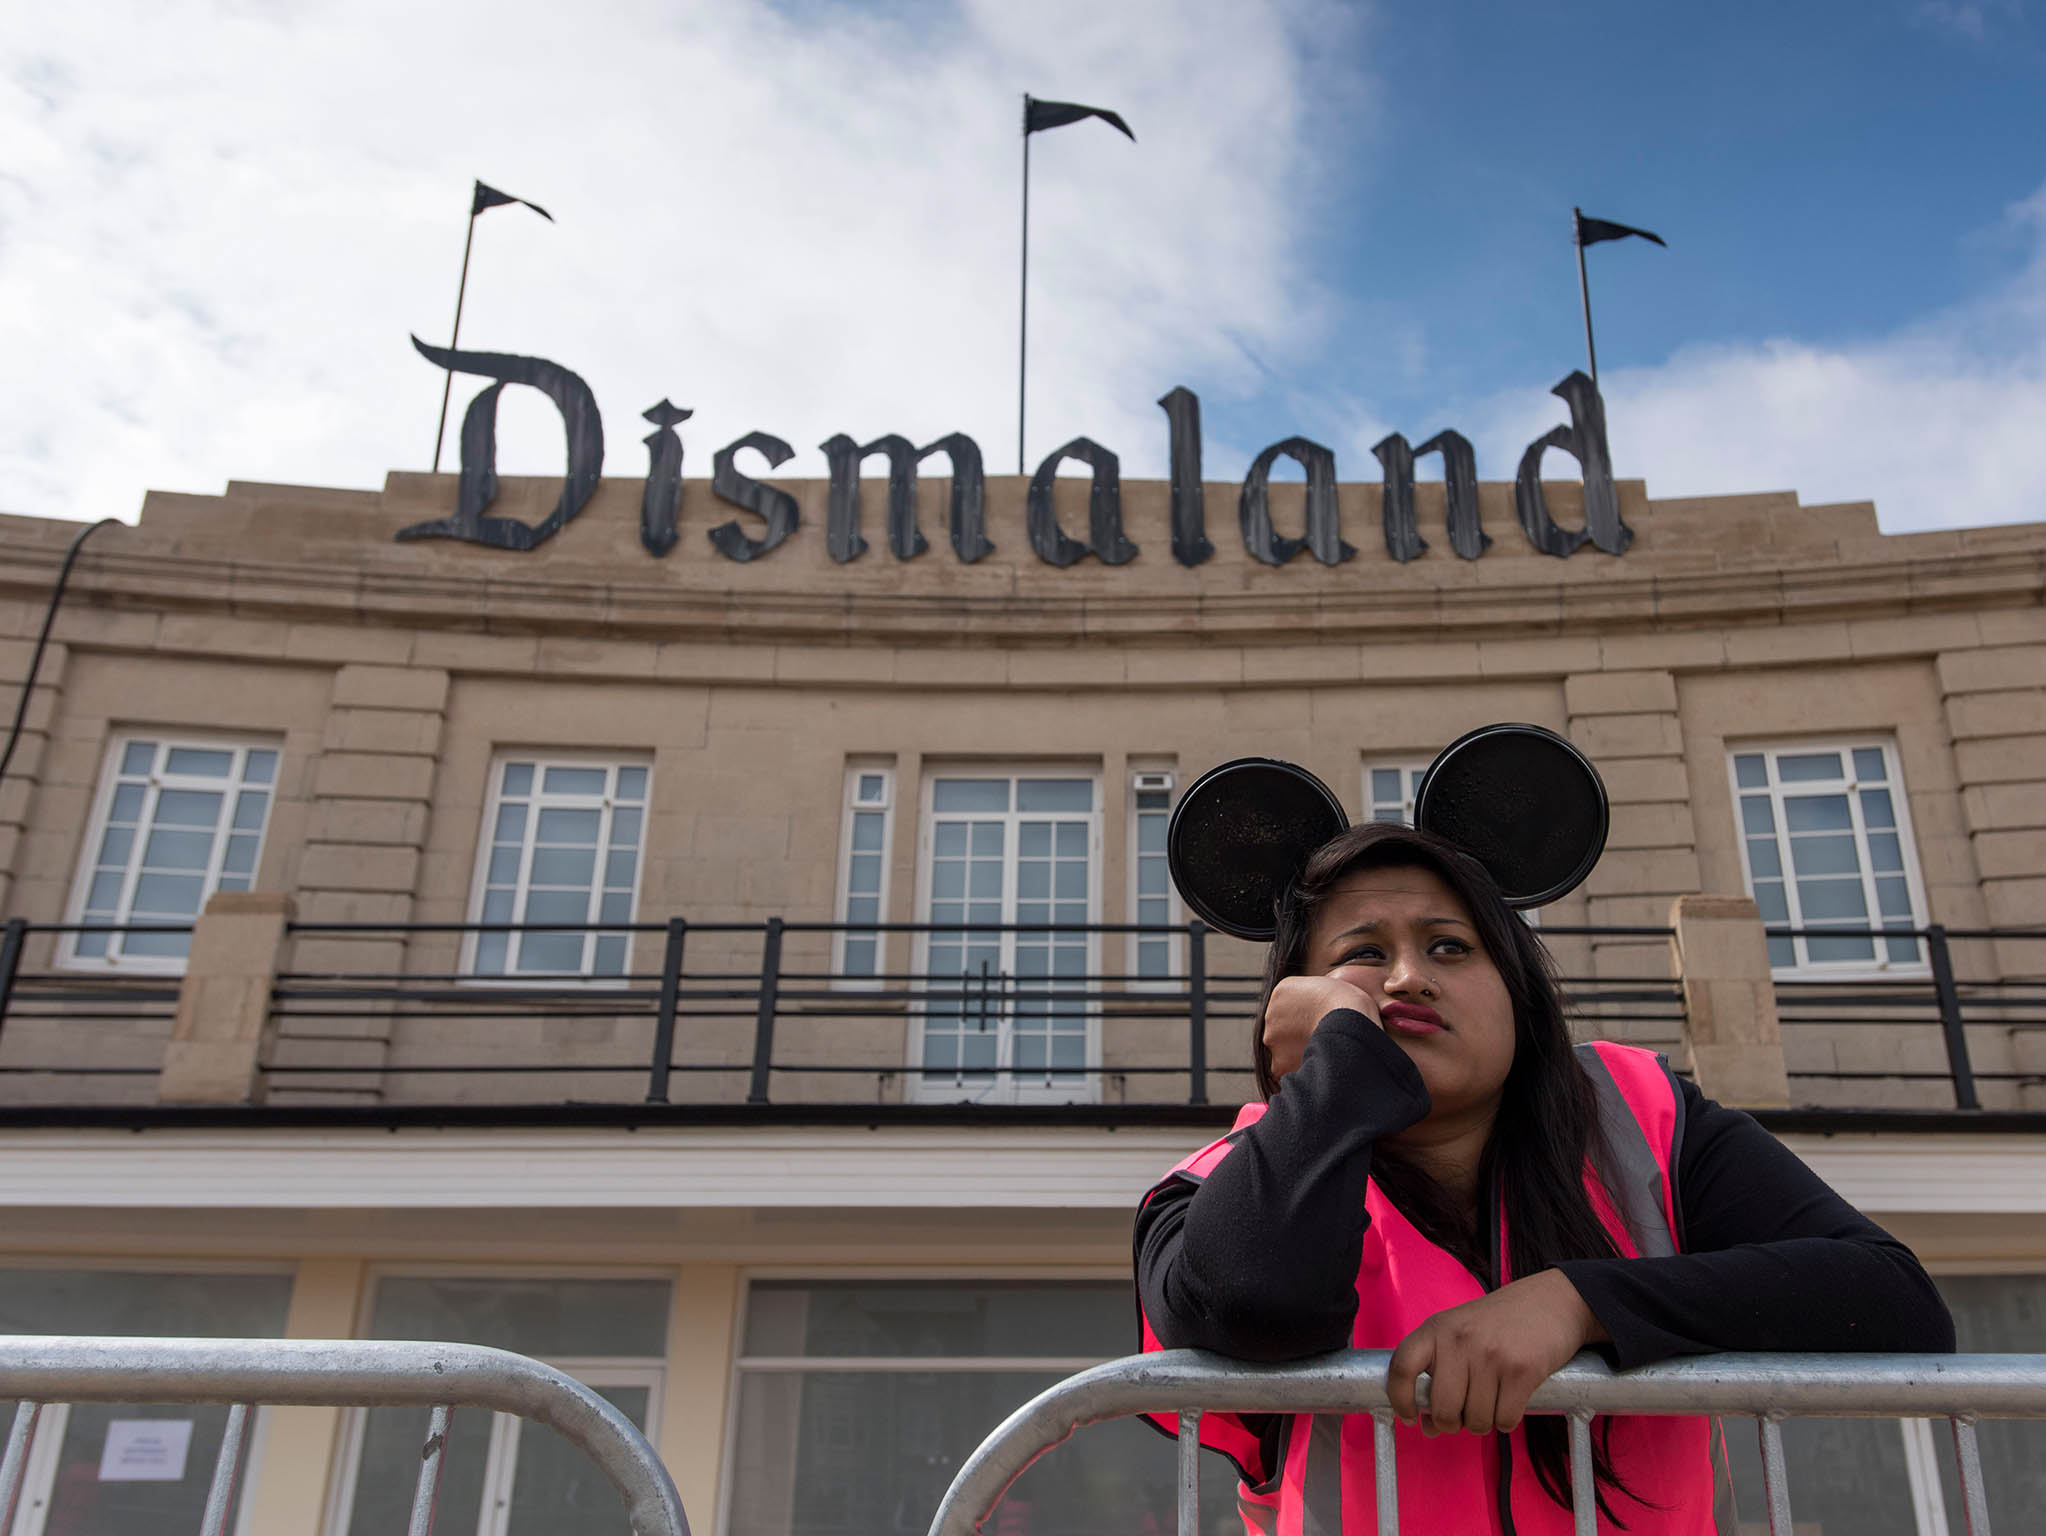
x,y
759,1012
1919,1025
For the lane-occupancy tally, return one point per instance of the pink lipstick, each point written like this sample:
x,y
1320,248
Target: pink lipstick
x,y
1411,1019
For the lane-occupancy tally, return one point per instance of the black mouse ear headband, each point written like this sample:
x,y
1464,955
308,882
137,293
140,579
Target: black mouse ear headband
x,y
1520,800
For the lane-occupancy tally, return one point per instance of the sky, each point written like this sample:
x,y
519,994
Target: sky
x,y
220,223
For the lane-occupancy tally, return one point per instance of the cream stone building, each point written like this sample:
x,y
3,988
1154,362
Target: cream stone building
x,y
814,1185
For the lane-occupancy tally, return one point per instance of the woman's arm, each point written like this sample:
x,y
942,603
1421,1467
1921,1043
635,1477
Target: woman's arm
x,y
1260,1260
1773,1260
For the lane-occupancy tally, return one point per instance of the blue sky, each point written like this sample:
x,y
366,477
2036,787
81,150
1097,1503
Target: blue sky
x,y
220,219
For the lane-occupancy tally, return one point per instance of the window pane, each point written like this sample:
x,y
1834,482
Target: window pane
x,y
859,955
167,896
1885,853
391,1438
1868,765
1072,839
155,946
970,795
81,1500
1817,813
1771,902
574,781
618,867
1750,771
950,839
504,866
104,895
986,839
1054,794
1151,834
1151,879
1385,785
965,1317
549,1318
1153,800
616,907
1846,1475
571,907
188,808
199,763
1756,817
632,784
178,850
127,804
1763,859
1824,901
491,949
2001,1313
518,779
610,955
240,858
261,767
562,826
865,872
497,907
557,1489
1834,855
625,822
870,790
1876,810
1807,766
1033,839
137,758
249,807
564,866
511,824
224,1306
558,953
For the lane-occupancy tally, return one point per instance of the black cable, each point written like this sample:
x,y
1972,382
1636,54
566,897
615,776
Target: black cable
x,y
35,661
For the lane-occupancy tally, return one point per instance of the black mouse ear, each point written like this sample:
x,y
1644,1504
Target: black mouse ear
x,y
1240,836
1524,803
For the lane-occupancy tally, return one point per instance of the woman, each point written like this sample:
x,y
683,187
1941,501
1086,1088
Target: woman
x,y
1436,1171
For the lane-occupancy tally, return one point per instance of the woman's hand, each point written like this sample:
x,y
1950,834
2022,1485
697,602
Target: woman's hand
x,y
1297,1005
1486,1357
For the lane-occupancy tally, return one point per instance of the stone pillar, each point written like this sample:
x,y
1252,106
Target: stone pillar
x,y
223,1019
1626,723
372,787
703,1338
1730,1029
292,1478
1996,713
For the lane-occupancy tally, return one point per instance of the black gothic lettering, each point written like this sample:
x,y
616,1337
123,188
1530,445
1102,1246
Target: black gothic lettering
x,y
1403,539
580,422
660,499
1190,546
771,503
842,523
1585,440
1323,534
1104,509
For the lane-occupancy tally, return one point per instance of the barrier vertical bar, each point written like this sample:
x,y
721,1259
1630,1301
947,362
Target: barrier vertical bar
x,y
1189,1472
1775,1480
1583,1476
763,1026
14,1463
1385,1473
1197,1012
426,1495
10,964
1950,1018
1974,1497
664,1014
227,1466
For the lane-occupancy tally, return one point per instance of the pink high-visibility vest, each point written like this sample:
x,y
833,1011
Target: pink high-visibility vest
x,y
1456,1484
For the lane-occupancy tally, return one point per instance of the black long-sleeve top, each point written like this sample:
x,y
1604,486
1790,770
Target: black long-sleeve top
x,y
1260,1259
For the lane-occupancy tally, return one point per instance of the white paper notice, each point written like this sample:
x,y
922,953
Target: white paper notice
x,y
145,1451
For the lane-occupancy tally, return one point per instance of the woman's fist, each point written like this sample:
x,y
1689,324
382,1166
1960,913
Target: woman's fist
x,y
1485,1358
1297,1005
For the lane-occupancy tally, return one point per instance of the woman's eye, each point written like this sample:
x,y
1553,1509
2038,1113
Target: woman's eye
x,y
1448,946
1368,954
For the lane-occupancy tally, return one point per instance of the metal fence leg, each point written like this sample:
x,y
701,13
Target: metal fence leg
x,y
1974,1497
14,1464
426,1497
763,1023
1952,1024
1189,1472
1385,1473
1583,1476
227,1466
1775,1480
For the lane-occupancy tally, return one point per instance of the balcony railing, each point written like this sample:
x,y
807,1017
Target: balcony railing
x,y
756,1014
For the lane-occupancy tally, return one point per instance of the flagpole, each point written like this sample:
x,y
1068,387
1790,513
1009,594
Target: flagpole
x,y
1023,305
1584,291
461,292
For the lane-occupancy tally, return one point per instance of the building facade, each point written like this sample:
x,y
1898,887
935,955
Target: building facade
x,y
812,1130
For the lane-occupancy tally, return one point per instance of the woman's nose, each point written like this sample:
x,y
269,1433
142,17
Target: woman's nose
x,y
1404,976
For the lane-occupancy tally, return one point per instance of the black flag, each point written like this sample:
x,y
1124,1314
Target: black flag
x,y
488,197
1040,115
1591,231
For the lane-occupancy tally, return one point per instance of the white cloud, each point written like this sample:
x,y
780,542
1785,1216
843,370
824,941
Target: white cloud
x,y
218,222
1942,424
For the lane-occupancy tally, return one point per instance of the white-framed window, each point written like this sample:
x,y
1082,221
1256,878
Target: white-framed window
x,y
561,844
1826,842
502,1476
1389,789
863,868
857,1399
1153,957
176,818
1007,1016
134,1469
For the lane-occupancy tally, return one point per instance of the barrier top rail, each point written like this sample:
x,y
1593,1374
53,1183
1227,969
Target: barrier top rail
x,y
347,1373
1772,1387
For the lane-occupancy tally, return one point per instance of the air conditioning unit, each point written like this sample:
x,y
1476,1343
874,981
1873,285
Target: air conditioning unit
x,y
1152,781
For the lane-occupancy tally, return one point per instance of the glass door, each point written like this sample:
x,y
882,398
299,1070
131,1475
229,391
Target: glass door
x,y
1006,1016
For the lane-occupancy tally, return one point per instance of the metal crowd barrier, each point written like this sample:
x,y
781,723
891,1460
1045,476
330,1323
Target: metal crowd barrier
x,y
342,1373
1768,1388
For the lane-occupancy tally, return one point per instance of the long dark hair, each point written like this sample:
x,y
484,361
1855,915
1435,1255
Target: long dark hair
x,y
1547,1127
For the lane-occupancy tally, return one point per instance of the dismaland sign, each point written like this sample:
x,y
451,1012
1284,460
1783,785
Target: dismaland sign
x,y
779,517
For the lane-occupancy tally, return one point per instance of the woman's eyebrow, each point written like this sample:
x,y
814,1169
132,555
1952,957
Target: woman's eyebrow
x,y
1371,925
